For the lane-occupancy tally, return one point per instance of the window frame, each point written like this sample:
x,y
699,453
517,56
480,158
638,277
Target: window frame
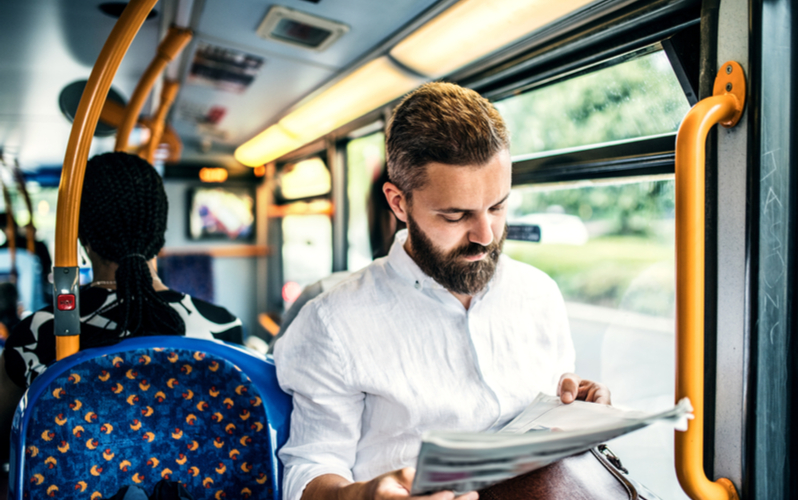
x,y
642,157
636,29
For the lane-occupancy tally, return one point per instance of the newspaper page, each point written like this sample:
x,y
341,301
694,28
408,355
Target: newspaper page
x,y
546,431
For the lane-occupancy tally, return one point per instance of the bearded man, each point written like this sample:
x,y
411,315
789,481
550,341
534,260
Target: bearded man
x,y
445,333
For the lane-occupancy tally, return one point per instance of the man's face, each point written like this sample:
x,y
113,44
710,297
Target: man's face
x,y
457,222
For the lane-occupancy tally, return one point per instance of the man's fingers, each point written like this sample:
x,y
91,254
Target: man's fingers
x,y
449,495
568,387
572,387
594,392
586,390
600,394
395,485
391,490
406,477
442,495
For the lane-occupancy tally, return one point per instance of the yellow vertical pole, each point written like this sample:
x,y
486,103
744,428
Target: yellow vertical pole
x,y
80,139
168,94
724,107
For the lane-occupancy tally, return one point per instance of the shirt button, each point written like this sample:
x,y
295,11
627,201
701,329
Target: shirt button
x,y
417,285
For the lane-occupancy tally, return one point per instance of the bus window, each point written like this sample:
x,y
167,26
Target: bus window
x,y
303,209
43,203
636,98
304,179
365,162
610,247
608,243
307,252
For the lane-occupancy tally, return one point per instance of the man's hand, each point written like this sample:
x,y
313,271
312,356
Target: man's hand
x,y
572,387
395,485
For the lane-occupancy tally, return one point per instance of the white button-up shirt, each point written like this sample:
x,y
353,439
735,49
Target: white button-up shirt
x,y
389,354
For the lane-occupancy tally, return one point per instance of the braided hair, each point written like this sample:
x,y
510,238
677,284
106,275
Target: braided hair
x,y
123,218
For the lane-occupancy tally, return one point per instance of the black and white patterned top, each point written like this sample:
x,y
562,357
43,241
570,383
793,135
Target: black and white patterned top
x,y
31,347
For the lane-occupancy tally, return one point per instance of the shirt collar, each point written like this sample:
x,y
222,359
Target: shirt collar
x,y
405,266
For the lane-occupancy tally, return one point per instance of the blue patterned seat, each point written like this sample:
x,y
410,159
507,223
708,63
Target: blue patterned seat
x,y
203,413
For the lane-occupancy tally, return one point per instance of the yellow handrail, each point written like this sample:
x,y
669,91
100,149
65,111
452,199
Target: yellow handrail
x,y
724,107
80,139
168,94
173,142
170,46
113,113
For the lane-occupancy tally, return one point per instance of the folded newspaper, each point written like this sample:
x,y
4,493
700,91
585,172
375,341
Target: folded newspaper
x,y
546,431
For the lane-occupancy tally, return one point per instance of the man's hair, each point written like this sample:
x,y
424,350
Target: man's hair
x,y
124,218
442,123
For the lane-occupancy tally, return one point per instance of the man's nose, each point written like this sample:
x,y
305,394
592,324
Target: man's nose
x,y
481,230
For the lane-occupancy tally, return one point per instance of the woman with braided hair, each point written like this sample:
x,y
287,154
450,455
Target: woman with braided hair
x,y
123,219
122,225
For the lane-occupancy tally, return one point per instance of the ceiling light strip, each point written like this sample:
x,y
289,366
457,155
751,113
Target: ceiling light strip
x,y
457,34
472,29
367,88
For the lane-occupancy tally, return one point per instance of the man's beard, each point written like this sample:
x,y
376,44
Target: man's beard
x,y
450,269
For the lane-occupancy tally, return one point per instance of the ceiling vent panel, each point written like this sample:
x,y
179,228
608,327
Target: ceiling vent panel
x,y
300,29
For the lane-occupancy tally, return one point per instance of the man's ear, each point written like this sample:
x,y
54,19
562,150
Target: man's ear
x,y
397,201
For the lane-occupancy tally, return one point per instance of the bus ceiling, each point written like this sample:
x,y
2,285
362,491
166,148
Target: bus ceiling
x,y
243,72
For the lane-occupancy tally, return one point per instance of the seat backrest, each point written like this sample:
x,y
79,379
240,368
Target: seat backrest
x,y
207,414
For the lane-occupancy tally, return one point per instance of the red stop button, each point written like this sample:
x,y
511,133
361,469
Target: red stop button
x,y
66,302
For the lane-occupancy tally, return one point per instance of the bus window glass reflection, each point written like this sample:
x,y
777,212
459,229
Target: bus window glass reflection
x,y
610,247
633,99
307,250
365,163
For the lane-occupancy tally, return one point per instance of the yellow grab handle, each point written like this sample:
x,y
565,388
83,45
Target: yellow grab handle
x,y
173,142
170,46
168,94
84,124
80,139
724,107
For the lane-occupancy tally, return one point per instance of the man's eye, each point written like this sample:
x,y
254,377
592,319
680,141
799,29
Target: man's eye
x,y
453,221
496,208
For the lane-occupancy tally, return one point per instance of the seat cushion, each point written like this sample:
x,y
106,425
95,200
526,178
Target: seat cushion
x,y
139,416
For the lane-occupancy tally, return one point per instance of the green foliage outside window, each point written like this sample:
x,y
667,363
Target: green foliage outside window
x,y
626,209
638,98
628,260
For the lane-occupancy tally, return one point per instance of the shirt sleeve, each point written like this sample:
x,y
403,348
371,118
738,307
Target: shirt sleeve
x,y
313,366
